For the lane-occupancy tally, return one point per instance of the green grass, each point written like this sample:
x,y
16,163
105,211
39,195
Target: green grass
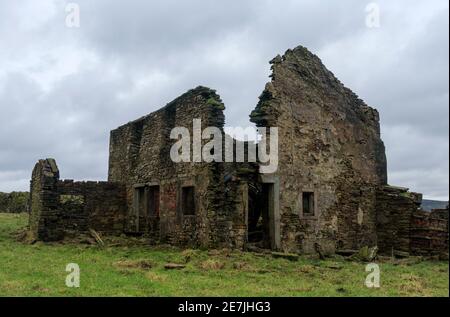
x,y
39,270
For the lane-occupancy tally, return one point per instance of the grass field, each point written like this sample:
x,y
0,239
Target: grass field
x,y
39,270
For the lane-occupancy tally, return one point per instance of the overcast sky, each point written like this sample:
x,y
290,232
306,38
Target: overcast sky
x,y
63,89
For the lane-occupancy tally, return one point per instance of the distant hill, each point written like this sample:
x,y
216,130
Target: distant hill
x,y
429,205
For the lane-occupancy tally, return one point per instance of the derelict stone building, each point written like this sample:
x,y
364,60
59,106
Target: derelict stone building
x,y
329,190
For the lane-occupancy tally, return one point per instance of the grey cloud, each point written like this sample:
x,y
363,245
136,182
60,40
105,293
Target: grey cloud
x,y
62,89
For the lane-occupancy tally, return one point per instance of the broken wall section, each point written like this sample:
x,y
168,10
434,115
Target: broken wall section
x,y
395,207
429,233
58,207
242,190
330,153
140,158
92,205
403,229
44,219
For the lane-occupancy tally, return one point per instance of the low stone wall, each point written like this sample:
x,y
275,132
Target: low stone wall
x,y
403,229
395,206
97,205
57,207
429,232
61,206
15,202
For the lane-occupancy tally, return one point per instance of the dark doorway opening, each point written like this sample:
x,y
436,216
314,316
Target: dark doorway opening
x,y
153,222
259,207
140,206
153,201
188,201
147,209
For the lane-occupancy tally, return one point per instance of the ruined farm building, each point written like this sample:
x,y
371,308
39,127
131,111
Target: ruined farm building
x,y
329,191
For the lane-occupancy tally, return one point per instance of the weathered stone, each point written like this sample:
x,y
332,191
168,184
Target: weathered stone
x,y
403,229
140,158
62,206
429,233
174,266
329,144
319,250
329,192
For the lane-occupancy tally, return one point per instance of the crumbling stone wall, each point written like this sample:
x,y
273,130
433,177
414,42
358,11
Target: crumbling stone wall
x,y
44,220
60,206
331,161
395,208
403,229
429,233
92,205
242,188
140,156
329,144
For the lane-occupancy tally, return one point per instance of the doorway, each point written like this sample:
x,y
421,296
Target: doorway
x,y
146,206
263,216
153,201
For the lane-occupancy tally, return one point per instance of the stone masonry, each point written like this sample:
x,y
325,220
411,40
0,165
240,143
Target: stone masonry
x,y
329,146
330,190
58,207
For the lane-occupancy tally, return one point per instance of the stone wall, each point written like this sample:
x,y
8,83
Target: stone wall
x,y
329,192
15,202
329,144
45,216
395,207
429,233
60,206
140,158
242,188
92,205
403,229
